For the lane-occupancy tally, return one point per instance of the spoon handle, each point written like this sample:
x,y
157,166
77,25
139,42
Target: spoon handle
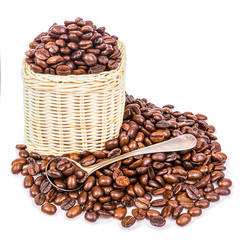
x,y
180,143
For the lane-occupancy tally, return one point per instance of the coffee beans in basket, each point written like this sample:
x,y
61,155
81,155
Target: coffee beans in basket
x,y
77,47
156,187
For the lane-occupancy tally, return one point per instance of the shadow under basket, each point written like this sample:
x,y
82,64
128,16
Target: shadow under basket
x,y
65,114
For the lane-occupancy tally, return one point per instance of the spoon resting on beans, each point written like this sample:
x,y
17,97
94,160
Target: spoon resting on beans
x,y
57,168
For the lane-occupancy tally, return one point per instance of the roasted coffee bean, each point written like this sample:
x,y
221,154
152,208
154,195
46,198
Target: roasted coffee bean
x,y
45,186
34,190
142,203
128,221
60,198
39,199
224,182
150,213
97,192
67,203
91,216
54,173
71,182
105,181
177,211
74,211
51,195
139,213
89,160
122,181
63,70
183,219
33,168
49,209
202,203
193,192
158,221
21,146
28,181
17,168
222,191
89,183
195,211
212,196
120,212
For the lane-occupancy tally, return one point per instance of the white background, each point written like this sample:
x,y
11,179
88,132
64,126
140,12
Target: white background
x,y
186,53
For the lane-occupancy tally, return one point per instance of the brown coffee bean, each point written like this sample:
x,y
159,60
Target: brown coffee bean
x,y
63,70
39,199
67,203
74,211
122,181
177,211
91,216
150,213
33,168
183,219
34,190
90,59
202,203
17,167
105,181
28,181
71,182
42,54
212,196
142,203
128,221
120,212
224,182
158,221
195,211
223,191
49,209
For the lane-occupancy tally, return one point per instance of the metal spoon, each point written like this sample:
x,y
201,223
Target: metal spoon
x,y
180,143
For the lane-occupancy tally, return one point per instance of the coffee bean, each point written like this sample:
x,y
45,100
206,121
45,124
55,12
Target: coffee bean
x,y
224,182
58,200
67,203
28,181
49,209
158,221
34,190
142,203
212,196
17,167
105,181
74,211
195,211
71,182
183,219
33,168
39,199
120,212
139,213
91,216
122,181
128,221
150,213
222,191
63,70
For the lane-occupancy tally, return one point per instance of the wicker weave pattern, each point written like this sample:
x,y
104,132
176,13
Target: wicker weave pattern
x,y
65,114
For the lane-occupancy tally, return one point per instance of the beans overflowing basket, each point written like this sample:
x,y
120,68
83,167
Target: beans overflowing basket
x,y
76,111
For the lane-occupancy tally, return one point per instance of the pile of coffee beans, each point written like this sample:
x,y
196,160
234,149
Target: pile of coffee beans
x,y
77,47
156,187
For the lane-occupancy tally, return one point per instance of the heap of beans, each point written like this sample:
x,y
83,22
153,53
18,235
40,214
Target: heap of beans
x,y
157,187
77,47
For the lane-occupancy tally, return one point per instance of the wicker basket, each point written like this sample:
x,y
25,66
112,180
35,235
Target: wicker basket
x,y
65,114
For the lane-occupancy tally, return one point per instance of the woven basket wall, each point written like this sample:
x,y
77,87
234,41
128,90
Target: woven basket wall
x,y
65,114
